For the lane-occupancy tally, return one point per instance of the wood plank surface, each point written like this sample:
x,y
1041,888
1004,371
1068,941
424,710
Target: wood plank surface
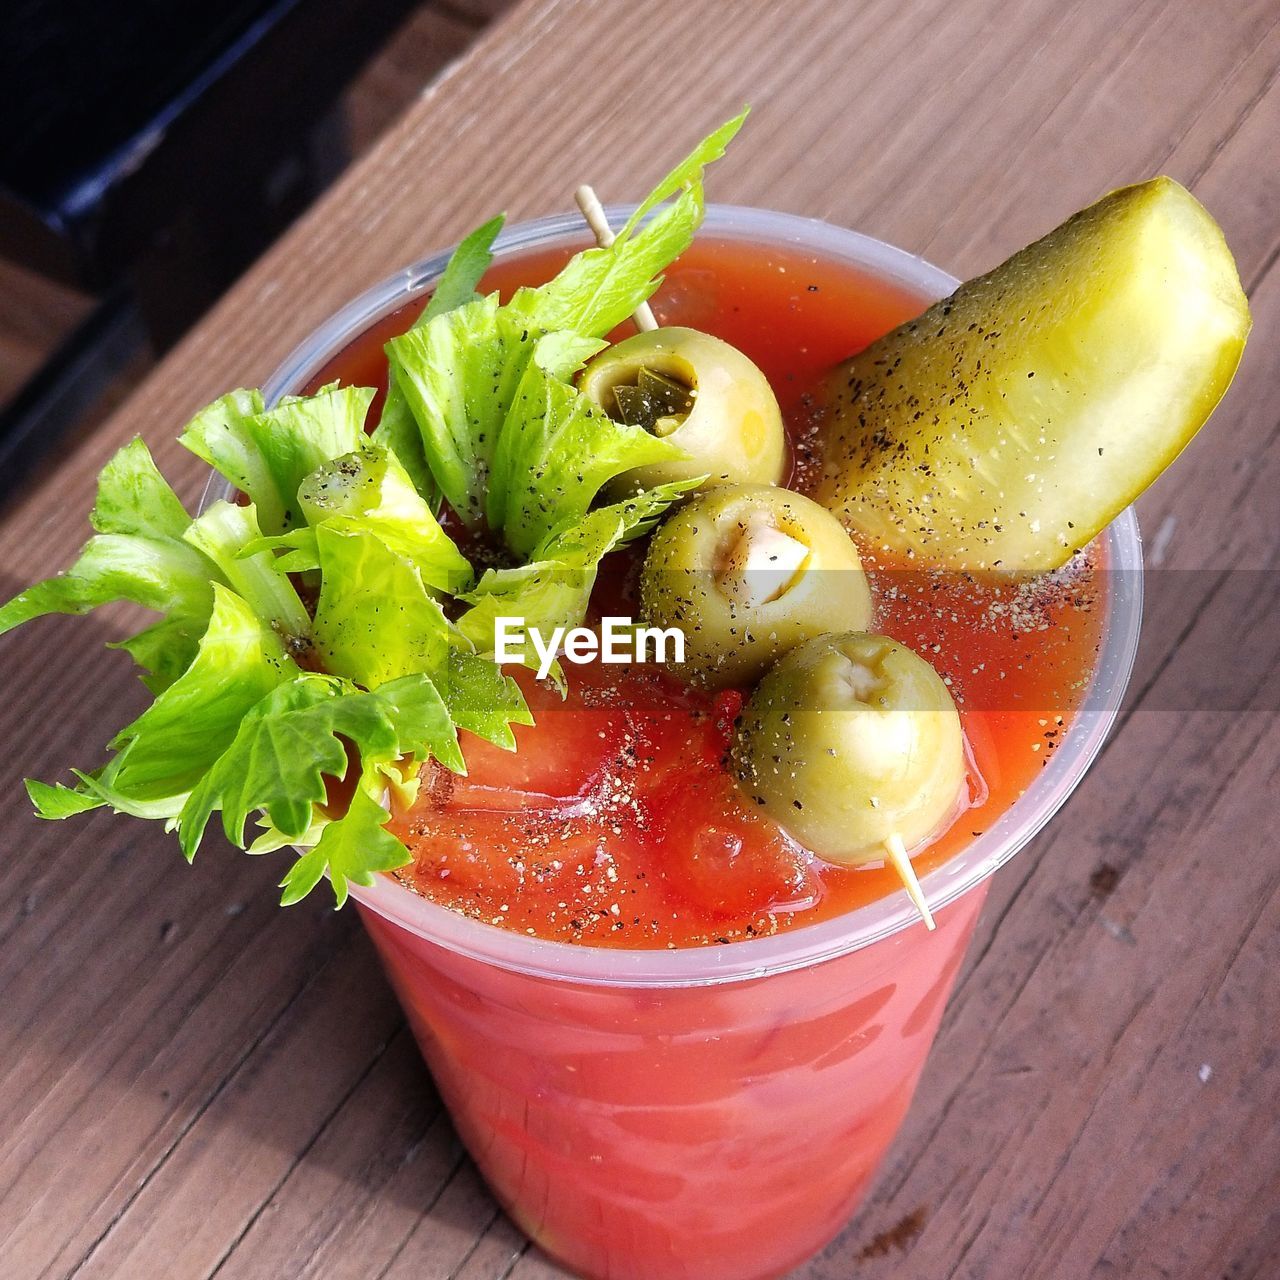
x,y
195,1084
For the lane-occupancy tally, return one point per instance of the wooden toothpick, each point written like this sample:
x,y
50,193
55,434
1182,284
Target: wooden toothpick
x,y
593,211
897,852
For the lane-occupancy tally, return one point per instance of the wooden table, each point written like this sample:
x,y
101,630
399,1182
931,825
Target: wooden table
x,y
194,1083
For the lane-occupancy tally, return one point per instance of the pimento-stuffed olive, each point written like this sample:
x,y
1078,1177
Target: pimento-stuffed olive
x,y
852,743
701,394
748,572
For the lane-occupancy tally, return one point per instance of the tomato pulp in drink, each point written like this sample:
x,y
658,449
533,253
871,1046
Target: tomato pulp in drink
x,y
713,1130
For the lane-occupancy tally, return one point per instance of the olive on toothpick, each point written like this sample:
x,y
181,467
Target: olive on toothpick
x,y
748,572
852,743
688,387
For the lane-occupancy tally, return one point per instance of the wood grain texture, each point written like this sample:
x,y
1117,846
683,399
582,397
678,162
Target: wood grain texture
x,y
35,315
426,43
194,1084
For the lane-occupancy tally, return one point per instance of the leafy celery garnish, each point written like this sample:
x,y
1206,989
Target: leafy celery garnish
x,y
350,851
509,443
371,490
225,534
554,588
375,619
166,750
239,723
464,271
397,428
140,556
600,288
267,454
322,639
482,700
169,747
296,737
556,452
457,374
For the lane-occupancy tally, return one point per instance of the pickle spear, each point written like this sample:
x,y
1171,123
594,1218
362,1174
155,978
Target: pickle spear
x,y
1013,420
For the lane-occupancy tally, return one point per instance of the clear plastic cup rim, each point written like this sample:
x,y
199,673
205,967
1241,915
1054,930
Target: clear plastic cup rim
x,y
803,945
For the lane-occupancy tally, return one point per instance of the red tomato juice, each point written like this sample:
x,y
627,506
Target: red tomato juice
x,y
711,1129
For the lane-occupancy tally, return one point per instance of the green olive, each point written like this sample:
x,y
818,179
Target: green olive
x,y
699,393
853,745
747,572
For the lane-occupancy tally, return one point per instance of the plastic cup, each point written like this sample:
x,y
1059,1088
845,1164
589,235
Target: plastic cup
x,y
709,1113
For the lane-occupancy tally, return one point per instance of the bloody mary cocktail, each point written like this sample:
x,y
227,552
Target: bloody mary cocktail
x,y
657,1022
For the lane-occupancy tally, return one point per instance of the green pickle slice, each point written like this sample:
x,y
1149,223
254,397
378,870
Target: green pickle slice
x,y
1015,419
